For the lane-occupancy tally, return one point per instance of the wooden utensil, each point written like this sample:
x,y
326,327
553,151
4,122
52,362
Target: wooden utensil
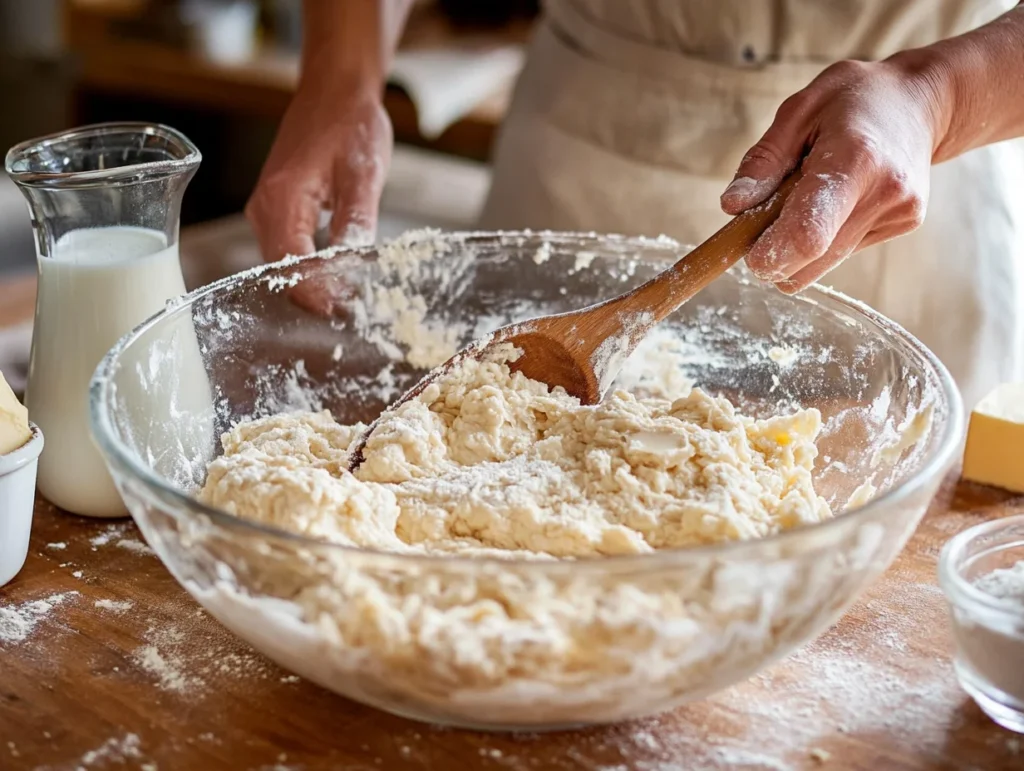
x,y
582,351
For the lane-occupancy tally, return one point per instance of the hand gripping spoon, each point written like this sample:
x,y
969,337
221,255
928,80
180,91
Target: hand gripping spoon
x,y
582,351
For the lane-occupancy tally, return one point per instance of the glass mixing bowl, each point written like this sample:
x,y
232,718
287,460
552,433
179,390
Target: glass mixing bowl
x,y
517,644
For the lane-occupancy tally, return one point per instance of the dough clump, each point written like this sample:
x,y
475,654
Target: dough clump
x,y
486,462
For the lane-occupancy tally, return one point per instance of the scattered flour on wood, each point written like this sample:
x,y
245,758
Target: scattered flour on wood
x,y
113,751
190,661
110,533
57,546
18,621
168,669
134,545
117,606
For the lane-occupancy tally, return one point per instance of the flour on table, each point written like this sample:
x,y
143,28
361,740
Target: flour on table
x,y
134,545
189,660
167,668
117,606
111,533
114,751
19,620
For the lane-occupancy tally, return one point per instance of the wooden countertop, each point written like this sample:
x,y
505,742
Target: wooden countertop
x,y
94,631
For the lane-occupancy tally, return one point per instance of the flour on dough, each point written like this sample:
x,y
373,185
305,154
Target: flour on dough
x,y
486,462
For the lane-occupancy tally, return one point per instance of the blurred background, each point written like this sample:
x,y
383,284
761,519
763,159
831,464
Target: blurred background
x,y
222,71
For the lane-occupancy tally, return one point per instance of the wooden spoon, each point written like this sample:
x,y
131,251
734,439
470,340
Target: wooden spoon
x,y
582,351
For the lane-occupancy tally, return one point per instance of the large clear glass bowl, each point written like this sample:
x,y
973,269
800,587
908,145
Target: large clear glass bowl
x,y
645,632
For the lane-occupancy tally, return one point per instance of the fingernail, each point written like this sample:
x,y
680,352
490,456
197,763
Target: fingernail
x,y
741,187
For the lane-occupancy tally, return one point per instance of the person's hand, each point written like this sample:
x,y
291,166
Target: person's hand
x,y
331,154
865,134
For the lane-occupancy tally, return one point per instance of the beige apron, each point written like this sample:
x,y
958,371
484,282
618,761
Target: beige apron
x,y
632,117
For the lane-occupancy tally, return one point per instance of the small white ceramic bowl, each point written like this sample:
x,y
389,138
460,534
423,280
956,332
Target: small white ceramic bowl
x,y
17,499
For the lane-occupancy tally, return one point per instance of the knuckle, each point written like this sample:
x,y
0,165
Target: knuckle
x,y
906,196
863,152
846,71
902,188
764,153
915,208
791,105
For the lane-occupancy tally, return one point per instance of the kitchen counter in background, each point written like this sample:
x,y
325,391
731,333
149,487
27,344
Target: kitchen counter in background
x,y
481,63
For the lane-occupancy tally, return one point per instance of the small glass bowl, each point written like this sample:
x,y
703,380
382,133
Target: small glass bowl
x,y
988,630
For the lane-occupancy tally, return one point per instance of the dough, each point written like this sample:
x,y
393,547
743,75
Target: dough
x,y
489,462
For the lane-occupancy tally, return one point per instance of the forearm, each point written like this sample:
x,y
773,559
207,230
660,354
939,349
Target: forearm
x,y
979,77
351,40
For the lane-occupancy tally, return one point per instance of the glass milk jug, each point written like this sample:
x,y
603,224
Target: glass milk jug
x,y
105,202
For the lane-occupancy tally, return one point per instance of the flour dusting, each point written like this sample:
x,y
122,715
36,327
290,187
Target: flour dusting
x,y
18,621
116,606
114,751
134,545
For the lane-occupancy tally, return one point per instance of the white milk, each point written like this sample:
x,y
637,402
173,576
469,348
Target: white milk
x,y
98,284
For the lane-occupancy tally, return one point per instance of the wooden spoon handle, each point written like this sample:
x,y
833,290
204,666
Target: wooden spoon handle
x,y
674,286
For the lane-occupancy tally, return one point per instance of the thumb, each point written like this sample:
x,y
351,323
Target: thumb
x,y
768,162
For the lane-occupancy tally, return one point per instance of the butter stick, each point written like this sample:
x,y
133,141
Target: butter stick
x,y
14,431
994,454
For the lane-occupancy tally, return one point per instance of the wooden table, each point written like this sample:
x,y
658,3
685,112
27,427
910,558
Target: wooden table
x,y
86,685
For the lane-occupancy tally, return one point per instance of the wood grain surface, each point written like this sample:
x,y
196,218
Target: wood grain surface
x,y
125,671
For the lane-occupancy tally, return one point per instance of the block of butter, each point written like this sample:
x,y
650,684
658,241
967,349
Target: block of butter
x,y
994,454
14,430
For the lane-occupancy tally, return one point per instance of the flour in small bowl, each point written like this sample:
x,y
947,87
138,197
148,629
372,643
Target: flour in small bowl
x,y
1004,583
990,638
